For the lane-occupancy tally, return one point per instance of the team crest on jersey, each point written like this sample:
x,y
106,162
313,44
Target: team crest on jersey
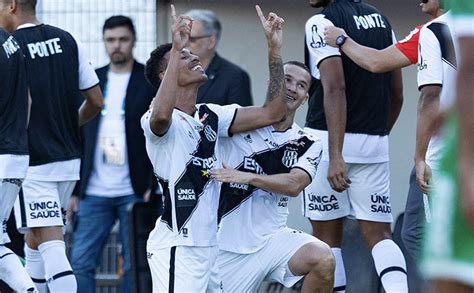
x,y
290,157
210,133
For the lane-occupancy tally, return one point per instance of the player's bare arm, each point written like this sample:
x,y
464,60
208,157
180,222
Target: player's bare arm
x,y
428,110
91,106
274,108
396,98
373,60
335,108
290,184
165,99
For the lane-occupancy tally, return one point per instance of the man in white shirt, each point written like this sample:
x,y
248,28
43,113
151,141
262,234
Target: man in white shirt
x,y
181,139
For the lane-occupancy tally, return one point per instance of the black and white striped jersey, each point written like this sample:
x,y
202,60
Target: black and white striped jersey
x,y
182,159
437,66
249,216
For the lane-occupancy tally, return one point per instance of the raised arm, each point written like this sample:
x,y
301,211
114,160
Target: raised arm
x,y
165,99
290,184
371,59
274,108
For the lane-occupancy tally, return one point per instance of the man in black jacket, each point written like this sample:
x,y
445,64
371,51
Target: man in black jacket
x,y
227,83
115,171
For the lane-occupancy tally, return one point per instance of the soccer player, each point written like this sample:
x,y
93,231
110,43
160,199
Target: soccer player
x,y
449,256
58,72
353,112
401,54
181,140
271,165
14,108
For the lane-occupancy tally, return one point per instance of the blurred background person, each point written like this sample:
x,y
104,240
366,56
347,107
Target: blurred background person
x,y
115,171
227,83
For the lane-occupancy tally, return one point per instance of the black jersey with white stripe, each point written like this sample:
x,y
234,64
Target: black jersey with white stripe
x,y
13,97
367,93
249,215
53,68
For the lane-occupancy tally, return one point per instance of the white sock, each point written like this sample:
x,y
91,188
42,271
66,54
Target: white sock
x,y
340,273
58,270
13,272
390,265
35,268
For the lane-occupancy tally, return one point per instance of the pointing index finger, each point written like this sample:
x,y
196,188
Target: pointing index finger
x,y
173,12
260,14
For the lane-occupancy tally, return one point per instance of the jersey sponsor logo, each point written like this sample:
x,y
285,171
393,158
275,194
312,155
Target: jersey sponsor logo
x,y
290,157
250,164
380,204
317,41
283,202
45,209
270,142
323,203
205,163
422,63
373,20
210,133
410,35
10,46
149,255
186,194
45,48
13,181
239,186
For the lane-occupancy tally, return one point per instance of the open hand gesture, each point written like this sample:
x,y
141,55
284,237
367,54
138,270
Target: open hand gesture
x,y
273,26
227,174
180,29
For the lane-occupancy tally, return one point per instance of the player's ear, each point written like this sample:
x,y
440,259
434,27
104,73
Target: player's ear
x,y
162,74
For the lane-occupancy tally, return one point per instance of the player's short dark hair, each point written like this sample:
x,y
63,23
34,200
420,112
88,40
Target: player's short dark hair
x,y
27,5
156,64
299,64
119,20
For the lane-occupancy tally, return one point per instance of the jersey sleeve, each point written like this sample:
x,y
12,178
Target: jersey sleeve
x,y
309,161
226,116
430,64
317,47
87,76
152,137
409,45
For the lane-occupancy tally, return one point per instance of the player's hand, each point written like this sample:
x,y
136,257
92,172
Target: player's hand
x,y
72,209
337,174
228,174
423,176
331,33
180,29
273,26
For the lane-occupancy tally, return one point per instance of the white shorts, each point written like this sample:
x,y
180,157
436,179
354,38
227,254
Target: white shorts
x,y
246,272
42,204
367,198
184,269
8,192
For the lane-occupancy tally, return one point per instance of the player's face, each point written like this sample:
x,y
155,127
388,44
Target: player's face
x,y
297,82
6,16
200,43
319,3
190,69
429,6
119,42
